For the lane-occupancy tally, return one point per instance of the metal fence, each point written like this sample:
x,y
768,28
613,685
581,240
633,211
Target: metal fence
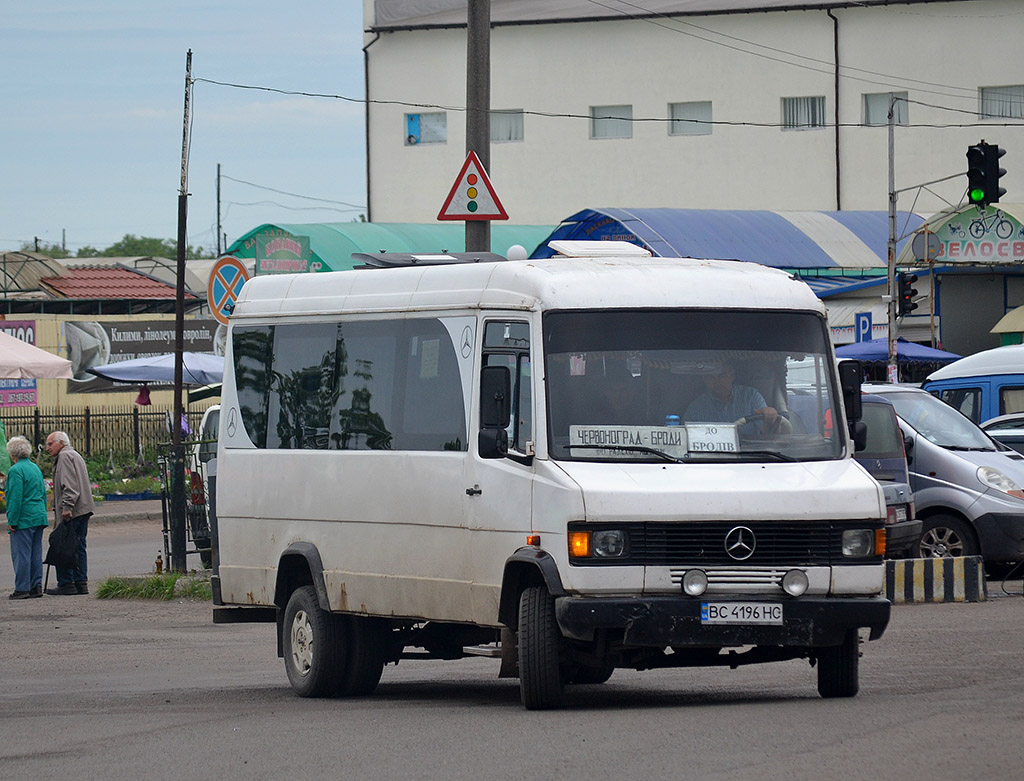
x,y
127,429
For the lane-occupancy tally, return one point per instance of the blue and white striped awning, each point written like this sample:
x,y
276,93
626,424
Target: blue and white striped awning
x,y
781,239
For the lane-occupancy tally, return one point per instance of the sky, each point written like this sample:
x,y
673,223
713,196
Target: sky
x,y
93,118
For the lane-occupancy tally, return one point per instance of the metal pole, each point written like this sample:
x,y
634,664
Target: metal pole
x,y
218,210
892,366
177,459
478,106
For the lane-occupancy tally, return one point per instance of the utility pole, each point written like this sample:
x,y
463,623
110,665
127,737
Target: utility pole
x,y
892,366
218,210
478,106
177,460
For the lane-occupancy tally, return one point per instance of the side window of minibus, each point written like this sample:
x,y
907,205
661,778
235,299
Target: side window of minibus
x,y
1011,399
507,343
967,400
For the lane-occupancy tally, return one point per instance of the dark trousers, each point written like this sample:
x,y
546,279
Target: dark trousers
x,y
80,573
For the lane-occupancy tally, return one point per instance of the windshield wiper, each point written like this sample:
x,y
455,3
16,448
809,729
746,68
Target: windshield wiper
x,y
774,455
971,449
632,449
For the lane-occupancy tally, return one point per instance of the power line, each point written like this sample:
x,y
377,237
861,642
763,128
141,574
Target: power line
x,y
352,206
567,115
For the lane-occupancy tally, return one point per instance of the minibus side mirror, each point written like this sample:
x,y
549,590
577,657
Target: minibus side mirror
x,y
850,373
908,448
495,411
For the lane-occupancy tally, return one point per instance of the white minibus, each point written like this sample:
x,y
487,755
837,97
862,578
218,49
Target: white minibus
x,y
595,461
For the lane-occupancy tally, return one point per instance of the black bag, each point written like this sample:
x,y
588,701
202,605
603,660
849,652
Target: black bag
x,y
63,550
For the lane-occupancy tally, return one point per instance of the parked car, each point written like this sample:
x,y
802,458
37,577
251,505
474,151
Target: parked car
x,y
885,459
1007,429
967,488
983,385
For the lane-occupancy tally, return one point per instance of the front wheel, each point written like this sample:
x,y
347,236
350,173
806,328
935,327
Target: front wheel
x,y
839,668
540,679
943,537
314,650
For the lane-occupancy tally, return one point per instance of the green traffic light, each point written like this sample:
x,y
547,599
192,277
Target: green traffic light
x,y
977,195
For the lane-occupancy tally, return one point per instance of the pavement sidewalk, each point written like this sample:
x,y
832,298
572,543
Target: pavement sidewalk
x,y
113,510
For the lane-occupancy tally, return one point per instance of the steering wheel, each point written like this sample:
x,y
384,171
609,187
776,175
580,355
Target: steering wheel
x,y
782,425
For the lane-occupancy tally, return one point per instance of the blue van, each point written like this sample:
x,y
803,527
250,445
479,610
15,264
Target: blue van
x,y
984,385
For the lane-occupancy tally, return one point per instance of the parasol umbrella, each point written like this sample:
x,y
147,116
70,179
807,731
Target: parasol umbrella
x,y
21,360
197,369
906,352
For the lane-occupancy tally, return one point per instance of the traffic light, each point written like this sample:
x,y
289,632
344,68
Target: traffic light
x,y
983,174
906,292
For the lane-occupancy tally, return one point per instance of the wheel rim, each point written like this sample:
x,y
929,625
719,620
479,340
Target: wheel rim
x,y
941,543
302,643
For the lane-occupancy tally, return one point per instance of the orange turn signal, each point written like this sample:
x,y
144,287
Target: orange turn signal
x,y
879,542
533,539
579,544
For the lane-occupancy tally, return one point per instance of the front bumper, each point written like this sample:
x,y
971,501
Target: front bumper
x,y
902,538
661,621
1001,536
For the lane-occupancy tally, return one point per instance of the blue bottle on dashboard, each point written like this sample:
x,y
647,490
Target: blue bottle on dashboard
x,y
671,420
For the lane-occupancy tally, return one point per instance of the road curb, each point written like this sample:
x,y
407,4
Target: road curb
x,y
959,579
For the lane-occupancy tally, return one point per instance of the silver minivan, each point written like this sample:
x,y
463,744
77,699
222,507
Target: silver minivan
x,y
968,489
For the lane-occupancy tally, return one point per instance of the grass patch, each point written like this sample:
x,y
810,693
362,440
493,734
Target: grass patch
x,y
165,586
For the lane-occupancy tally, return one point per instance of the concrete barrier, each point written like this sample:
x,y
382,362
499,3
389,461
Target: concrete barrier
x,y
935,580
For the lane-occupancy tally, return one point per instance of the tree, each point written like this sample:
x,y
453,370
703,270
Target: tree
x,y
50,250
128,247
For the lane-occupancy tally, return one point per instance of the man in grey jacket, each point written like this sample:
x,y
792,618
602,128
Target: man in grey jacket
x,y
72,503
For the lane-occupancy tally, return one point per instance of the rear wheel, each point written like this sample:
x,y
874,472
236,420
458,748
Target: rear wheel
x,y
540,680
839,668
314,649
943,537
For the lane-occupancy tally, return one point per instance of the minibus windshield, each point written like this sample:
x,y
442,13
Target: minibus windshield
x,y
690,386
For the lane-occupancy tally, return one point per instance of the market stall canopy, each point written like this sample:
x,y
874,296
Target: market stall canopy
x,y
781,239
21,360
906,352
332,244
197,369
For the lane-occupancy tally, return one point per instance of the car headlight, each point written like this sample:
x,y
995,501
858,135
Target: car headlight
x,y
598,544
997,481
858,543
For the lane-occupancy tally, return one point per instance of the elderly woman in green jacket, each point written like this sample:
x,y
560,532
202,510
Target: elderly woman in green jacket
x,y
26,519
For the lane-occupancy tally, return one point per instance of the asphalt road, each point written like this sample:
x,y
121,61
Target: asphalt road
x,y
125,689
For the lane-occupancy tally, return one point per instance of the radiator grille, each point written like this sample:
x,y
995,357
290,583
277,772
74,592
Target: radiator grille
x,y
703,543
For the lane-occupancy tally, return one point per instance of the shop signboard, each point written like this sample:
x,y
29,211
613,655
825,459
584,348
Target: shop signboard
x,y
97,343
19,392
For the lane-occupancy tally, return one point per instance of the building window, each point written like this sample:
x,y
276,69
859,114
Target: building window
x,y
1002,102
611,121
507,125
876,108
426,128
802,113
690,119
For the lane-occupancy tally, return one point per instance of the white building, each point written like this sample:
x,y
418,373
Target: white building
x,y
722,104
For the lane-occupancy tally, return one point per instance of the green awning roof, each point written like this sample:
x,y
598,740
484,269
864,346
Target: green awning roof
x,y
332,243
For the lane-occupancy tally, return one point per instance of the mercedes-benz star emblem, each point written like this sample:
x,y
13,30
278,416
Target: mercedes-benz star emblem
x,y
467,341
740,543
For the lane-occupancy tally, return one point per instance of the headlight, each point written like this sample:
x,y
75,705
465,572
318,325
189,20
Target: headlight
x,y
858,543
600,544
996,480
609,543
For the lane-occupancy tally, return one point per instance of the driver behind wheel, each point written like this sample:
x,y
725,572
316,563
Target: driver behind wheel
x,y
723,401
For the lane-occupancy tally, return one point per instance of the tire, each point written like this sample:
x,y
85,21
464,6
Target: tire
x,y
365,656
540,680
314,646
943,537
839,668
592,675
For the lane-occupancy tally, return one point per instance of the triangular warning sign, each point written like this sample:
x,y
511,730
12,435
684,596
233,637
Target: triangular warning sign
x,y
472,197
